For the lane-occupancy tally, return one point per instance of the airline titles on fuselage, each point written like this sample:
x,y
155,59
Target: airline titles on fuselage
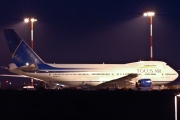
x,y
148,70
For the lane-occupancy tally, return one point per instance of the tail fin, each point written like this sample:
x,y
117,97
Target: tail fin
x,y
21,53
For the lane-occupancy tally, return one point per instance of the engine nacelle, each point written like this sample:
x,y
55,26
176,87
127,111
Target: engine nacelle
x,y
144,83
12,66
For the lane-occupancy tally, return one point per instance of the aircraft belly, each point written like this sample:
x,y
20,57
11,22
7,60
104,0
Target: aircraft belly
x,y
79,80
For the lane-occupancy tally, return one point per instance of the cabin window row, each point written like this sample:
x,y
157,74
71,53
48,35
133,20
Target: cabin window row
x,y
93,74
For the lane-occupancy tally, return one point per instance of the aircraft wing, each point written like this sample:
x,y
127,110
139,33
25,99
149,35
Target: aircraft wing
x,y
21,76
123,81
13,75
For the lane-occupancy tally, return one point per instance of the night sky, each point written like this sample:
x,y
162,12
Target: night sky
x,y
94,31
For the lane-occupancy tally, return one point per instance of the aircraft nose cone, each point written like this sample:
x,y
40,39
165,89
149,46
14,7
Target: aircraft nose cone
x,y
177,75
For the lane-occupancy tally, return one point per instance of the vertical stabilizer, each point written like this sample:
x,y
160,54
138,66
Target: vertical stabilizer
x,y
21,53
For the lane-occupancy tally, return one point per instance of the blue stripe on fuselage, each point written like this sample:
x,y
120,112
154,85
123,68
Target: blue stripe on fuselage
x,y
46,67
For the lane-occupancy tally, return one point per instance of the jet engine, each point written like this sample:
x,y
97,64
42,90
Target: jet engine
x,y
142,83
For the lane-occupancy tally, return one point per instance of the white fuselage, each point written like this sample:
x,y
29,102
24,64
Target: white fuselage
x,y
94,74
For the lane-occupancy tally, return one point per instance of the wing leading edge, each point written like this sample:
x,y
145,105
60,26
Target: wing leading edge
x,y
123,81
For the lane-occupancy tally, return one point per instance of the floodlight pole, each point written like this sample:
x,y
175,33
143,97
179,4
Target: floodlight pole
x,y
151,47
150,14
32,20
175,104
175,101
32,46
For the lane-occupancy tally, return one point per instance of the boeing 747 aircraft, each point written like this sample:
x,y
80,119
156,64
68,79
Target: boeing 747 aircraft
x,y
25,62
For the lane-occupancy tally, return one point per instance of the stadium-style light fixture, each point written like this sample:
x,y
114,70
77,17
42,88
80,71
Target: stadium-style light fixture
x,y
26,20
33,20
149,14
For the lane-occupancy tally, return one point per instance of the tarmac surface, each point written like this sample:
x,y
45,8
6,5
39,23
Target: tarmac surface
x,y
87,105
